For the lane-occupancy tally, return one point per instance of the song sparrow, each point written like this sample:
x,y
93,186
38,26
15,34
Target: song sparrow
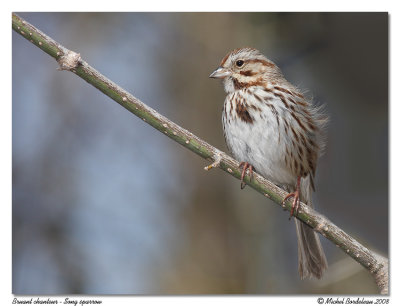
x,y
269,125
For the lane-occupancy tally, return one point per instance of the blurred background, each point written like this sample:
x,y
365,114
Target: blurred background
x,y
105,204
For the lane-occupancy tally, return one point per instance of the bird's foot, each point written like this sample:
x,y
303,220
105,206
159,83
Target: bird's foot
x,y
245,166
295,204
296,199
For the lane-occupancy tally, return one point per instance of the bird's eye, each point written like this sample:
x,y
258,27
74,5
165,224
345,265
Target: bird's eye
x,y
239,63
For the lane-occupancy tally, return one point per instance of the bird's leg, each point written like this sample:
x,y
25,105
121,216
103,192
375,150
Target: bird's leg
x,y
245,166
296,199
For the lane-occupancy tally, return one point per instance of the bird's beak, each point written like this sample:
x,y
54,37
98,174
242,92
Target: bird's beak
x,y
220,73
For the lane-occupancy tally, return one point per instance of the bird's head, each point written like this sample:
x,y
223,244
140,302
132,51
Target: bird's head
x,y
245,67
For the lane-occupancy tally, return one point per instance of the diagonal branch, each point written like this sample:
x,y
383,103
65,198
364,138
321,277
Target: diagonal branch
x,y
69,60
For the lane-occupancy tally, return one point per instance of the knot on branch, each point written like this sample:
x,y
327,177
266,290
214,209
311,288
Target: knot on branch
x,y
69,60
217,161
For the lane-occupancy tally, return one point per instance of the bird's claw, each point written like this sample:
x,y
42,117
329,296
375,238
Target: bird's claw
x,y
245,166
296,202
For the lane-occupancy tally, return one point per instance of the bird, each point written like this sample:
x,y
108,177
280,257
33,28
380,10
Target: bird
x,y
273,129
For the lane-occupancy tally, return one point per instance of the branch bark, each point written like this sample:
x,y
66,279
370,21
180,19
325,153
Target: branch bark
x,y
69,60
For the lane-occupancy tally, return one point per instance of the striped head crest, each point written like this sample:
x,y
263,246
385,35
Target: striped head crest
x,y
245,67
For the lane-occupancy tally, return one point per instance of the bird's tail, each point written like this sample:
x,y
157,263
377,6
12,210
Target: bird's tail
x,y
312,260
